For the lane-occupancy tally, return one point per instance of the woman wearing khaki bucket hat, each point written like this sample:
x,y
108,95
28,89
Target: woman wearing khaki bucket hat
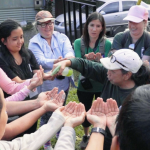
x,y
49,47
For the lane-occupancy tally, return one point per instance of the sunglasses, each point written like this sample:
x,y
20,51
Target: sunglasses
x,y
113,58
43,25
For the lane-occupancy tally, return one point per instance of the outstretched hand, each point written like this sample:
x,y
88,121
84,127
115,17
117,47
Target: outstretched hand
x,y
93,56
73,113
36,80
111,111
55,102
45,96
96,115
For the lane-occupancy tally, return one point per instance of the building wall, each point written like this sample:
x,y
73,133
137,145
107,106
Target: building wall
x,y
20,10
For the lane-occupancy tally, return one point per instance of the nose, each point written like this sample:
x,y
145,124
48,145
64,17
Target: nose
x,y
94,28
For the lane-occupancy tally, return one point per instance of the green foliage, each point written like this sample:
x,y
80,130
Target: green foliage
x,y
146,1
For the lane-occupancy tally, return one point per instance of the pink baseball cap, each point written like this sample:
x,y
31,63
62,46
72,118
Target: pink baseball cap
x,y
137,14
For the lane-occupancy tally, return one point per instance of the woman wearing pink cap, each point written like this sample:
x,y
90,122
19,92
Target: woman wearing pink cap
x,y
136,38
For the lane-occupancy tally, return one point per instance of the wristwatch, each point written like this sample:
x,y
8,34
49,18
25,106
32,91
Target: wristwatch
x,y
98,130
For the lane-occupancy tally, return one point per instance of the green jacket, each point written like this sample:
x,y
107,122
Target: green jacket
x,y
98,73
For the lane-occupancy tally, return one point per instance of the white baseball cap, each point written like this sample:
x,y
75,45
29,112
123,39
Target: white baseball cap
x,y
123,59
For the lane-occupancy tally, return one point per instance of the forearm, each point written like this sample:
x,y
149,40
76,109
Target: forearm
x,y
66,140
22,124
96,142
35,140
112,129
17,108
89,69
19,96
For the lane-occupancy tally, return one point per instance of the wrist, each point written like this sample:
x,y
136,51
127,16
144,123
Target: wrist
x,y
30,87
43,109
112,129
99,126
98,130
68,124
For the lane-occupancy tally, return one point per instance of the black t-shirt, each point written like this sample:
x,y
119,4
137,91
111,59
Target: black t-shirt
x,y
26,67
31,65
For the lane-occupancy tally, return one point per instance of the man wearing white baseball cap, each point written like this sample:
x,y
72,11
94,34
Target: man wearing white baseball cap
x,y
136,38
120,74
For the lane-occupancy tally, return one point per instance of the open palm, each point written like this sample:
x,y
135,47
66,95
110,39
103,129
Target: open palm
x,y
111,111
96,115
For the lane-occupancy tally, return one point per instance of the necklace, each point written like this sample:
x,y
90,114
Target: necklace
x,y
18,62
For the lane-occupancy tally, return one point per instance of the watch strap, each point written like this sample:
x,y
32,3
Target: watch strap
x,y
98,130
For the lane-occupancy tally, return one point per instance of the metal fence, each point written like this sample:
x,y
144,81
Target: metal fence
x,y
78,11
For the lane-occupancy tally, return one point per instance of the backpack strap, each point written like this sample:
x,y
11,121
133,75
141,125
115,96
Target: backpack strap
x,y
146,40
82,48
102,46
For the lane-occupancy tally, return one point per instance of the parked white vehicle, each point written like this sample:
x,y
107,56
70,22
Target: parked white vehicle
x,y
113,12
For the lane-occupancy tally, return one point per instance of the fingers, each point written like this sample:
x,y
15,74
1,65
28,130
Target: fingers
x,y
90,56
53,93
70,107
80,109
111,106
60,98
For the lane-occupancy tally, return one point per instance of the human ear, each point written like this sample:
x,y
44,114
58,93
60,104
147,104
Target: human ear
x,y
3,41
145,23
127,75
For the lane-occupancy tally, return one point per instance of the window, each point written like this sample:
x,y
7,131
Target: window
x,y
127,4
111,8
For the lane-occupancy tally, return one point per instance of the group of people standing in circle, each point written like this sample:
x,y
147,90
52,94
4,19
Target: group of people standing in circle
x,y
111,80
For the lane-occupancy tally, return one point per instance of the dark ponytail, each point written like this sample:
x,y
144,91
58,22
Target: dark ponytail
x,y
142,76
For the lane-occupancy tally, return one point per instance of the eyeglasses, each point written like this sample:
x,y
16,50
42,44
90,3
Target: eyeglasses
x,y
132,46
113,59
43,25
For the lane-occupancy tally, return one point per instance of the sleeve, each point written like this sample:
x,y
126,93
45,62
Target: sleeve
x,y
77,48
35,140
107,47
19,96
117,41
7,69
147,44
33,62
89,69
39,55
9,86
66,46
66,140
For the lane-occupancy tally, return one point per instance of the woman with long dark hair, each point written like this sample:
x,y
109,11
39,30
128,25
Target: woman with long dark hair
x,y
92,46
